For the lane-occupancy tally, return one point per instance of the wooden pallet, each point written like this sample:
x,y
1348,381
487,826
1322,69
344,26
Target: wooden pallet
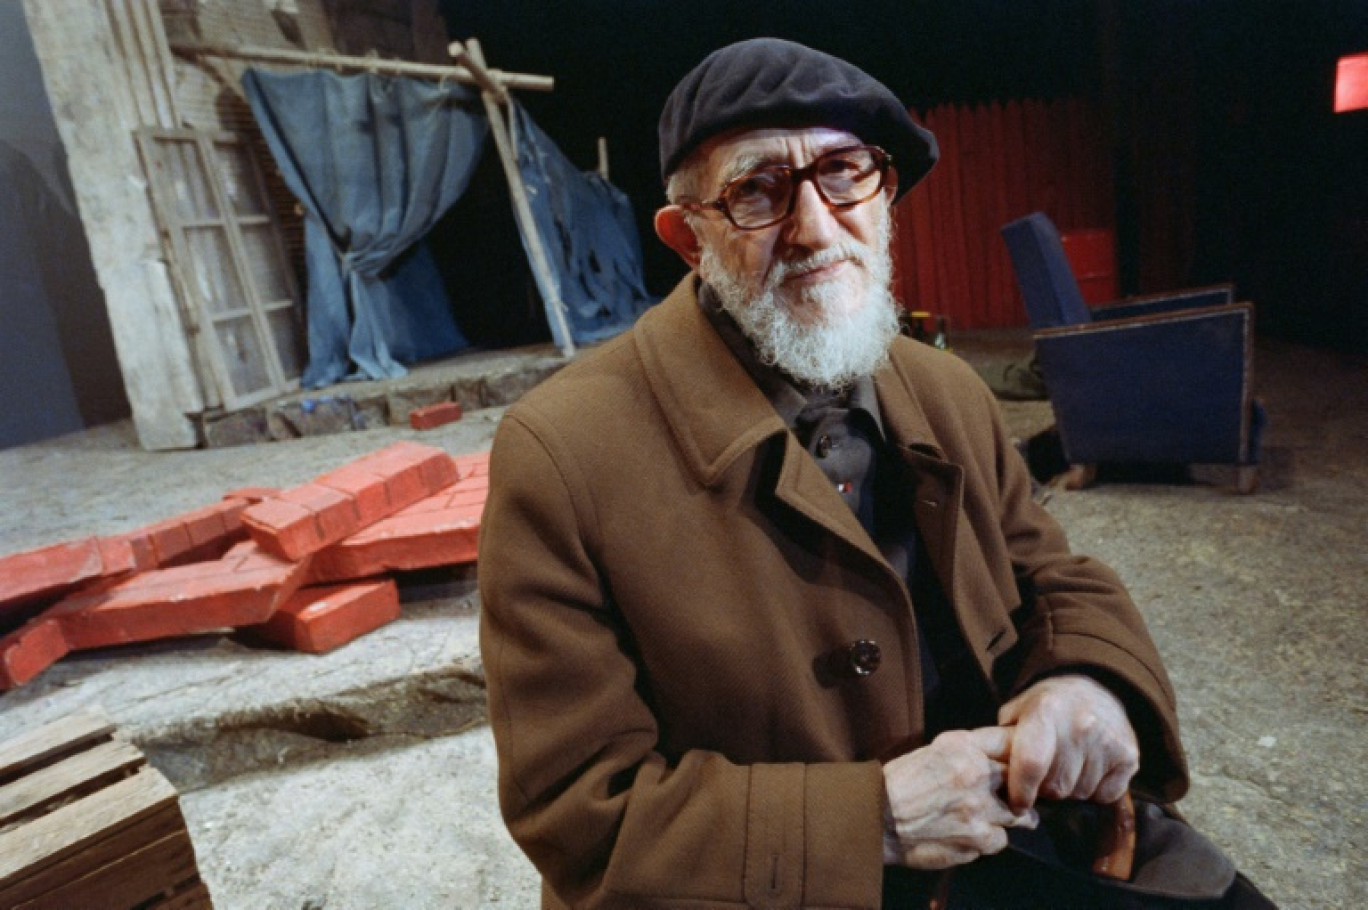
x,y
86,822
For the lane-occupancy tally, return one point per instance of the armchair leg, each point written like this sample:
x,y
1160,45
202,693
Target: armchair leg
x,y
1078,476
1247,478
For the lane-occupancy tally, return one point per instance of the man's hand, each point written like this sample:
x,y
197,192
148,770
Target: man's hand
x,y
1071,740
943,801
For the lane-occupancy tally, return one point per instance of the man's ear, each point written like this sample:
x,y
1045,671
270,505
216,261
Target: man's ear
x,y
673,228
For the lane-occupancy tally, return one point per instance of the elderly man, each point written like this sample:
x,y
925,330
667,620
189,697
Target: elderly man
x,y
769,615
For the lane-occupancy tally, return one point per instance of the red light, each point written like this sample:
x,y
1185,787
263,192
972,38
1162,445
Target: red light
x,y
1351,83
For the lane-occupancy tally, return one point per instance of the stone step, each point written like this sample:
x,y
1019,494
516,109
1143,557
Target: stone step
x,y
473,381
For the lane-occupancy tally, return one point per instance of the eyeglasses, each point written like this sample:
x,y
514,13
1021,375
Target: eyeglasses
x,y
843,177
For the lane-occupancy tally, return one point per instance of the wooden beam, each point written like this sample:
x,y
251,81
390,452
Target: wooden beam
x,y
473,61
517,81
473,58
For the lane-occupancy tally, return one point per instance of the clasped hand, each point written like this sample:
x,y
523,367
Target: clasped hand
x,y
950,802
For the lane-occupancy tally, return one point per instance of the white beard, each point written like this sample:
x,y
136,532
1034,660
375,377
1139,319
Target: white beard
x,y
841,340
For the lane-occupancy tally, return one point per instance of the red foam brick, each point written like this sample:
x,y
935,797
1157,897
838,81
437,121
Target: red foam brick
x,y
118,556
30,650
476,465
306,519
251,494
335,513
244,589
169,540
284,528
435,415
206,526
320,619
140,545
406,506
365,487
438,531
34,574
202,534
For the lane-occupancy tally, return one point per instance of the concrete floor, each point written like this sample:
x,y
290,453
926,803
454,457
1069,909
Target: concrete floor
x,y
364,778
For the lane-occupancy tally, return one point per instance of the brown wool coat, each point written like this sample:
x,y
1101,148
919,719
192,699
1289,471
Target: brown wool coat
x,y
663,569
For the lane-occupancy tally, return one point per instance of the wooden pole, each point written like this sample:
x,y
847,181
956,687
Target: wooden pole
x,y
519,81
603,157
472,58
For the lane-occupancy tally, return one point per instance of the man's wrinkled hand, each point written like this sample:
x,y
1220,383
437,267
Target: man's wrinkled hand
x,y
944,805
1071,740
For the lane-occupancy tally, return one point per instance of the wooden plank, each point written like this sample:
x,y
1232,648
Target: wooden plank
x,y
941,183
956,303
74,773
504,142
161,70
93,102
165,823
135,74
29,848
129,881
69,734
966,164
1065,130
1018,178
157,88
923,236
974,155
999,277
340,62
1033,144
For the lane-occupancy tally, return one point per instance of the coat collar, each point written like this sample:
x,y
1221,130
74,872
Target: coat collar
x,y
717,413
714,408
904,418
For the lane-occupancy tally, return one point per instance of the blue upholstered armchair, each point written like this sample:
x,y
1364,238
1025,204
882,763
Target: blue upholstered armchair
x,y
1158,379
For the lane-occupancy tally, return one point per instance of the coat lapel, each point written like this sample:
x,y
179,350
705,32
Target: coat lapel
x,y
939,508
938,486
716,413
805,488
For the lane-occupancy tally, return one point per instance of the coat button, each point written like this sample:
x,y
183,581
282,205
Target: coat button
x,y
863,657
823,446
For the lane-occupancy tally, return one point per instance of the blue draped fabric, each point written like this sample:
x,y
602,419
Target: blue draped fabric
x,y
375,161
587,228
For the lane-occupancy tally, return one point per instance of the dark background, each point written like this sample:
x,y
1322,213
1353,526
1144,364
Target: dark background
x,y
1224,103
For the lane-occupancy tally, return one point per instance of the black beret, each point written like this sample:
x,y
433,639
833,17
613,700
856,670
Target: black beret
x,y
769,82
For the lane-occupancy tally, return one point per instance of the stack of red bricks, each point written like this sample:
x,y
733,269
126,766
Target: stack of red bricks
x,y
309,568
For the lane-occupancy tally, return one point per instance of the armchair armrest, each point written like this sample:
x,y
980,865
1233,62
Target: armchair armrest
x,y
1172,387
1166,302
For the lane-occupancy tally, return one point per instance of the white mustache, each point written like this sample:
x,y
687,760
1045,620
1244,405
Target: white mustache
x,y
786,269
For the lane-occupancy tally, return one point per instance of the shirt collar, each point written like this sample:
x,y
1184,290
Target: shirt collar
x,y
788,397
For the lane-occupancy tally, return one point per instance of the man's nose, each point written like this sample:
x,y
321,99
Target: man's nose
x,y
813,223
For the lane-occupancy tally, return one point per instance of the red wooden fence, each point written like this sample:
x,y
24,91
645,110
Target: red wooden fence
x,y
998,162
